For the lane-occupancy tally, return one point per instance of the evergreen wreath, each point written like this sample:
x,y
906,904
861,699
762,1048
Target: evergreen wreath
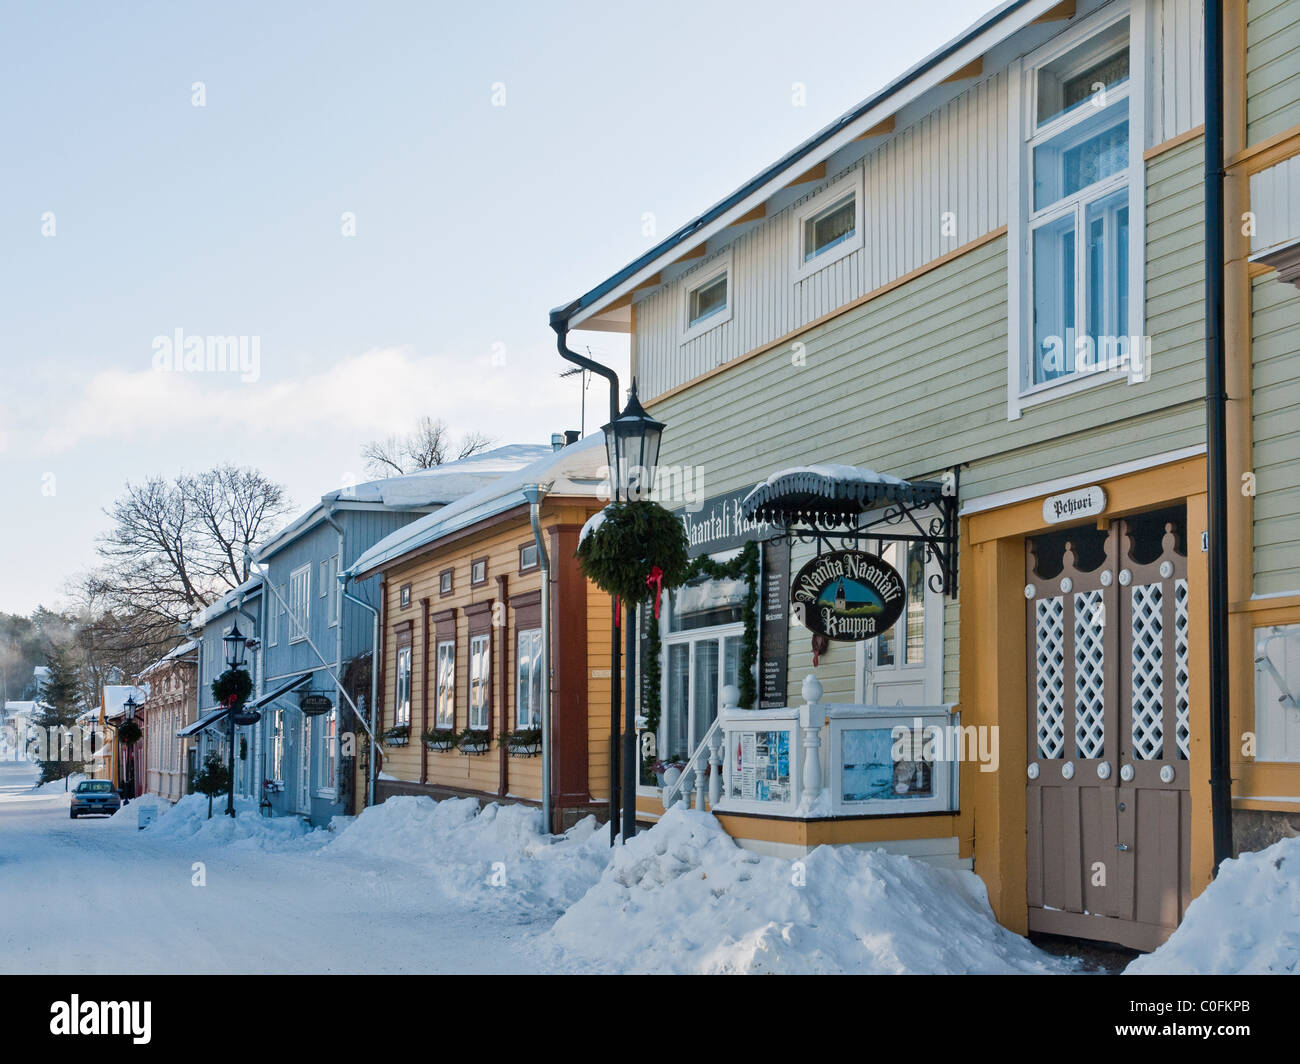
x,y
744,564
634,546
232,687
129,733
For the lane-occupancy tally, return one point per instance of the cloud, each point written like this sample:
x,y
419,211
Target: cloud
x,y
378,392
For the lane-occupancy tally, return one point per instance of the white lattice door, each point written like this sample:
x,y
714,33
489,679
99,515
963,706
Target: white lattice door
x,y
1107,818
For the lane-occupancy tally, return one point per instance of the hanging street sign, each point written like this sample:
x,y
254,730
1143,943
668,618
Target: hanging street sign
x,y
848,595
1072,505
313,705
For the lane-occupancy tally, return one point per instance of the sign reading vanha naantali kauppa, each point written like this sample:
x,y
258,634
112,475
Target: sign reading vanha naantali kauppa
x,y
848,595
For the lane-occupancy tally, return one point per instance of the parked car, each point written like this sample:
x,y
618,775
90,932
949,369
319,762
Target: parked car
x,y
94,796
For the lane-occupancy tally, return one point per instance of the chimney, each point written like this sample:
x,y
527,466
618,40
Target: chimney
x,y
571,436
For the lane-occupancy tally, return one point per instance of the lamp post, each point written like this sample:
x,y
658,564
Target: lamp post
x,y
632,445
236,645
128,785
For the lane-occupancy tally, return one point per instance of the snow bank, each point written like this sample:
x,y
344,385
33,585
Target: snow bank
x,y
58,786
188,819
494,856
683,897
1246,922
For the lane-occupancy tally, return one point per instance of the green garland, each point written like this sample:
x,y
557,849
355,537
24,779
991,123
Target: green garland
x,y
744,564
232,688
625,547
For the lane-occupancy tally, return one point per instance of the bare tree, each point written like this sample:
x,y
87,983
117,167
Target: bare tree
x,y
429,444
174,547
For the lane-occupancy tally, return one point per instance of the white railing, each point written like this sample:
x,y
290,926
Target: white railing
x,y
703,772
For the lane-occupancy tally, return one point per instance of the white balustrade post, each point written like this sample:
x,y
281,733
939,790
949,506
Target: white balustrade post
x,y
730,701
701,782
810,720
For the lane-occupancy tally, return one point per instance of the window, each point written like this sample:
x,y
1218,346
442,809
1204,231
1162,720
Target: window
x,y
445,710
904,665
445,582
527,557
275,759
402,703
828,225
528,688
478,571
480,665
1080,214
703,628
335,604
327,735
404,596
324,577
299,603
707,297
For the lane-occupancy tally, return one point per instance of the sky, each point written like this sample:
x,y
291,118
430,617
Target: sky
x,y
383,199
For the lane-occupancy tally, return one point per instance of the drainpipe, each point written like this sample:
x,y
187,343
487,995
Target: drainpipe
x,y
560,323
257,686
1216,439
338,620
535,493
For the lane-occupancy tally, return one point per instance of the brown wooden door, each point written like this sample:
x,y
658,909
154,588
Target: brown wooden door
x,y
1108,817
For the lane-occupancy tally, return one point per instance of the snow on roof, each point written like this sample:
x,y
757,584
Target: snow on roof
x,y
115,696
227,602
437,486
835,471
171,655
575,470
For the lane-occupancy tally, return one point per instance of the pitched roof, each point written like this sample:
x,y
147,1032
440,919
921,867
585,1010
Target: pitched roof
x,y
575,470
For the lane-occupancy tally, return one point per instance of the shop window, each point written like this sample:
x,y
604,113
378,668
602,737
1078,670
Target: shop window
x,y
703,628
528,687
1277,693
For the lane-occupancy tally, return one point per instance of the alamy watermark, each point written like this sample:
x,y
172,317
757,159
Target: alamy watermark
x,y
179,353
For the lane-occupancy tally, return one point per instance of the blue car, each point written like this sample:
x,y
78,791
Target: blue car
x,y
94,796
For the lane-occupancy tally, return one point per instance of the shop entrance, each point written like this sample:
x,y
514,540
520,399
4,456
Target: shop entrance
x,y
1108,812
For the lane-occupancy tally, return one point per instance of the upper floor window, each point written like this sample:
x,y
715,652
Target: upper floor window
x,y
828,225
708,298
1080,233
478,571
527,557
299,603
445,582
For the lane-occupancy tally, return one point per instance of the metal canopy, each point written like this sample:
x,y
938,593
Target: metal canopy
x,y
283,689
840,506
214,716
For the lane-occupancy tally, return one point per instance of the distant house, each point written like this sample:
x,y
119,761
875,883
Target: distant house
x,y
171,705
462,644
14,720
107,757
311,663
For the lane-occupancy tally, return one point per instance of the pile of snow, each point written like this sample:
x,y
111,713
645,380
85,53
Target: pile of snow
x,y
684,898
494,856
1246,922
188,819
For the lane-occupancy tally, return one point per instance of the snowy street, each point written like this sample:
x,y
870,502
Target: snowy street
x,y
97,895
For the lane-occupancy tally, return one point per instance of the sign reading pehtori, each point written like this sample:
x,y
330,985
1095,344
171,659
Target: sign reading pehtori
x,y
848,595
1072,505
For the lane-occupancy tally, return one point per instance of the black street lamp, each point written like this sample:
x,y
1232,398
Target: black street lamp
x,y
632,445
128,785
236,645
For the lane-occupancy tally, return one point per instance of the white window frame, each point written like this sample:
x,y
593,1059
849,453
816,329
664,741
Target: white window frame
x,y
693,282
480,685
446,651
402,678
275,747
334,604
324,577
327,754
523,683
1022,393
929,671
821,201
300,596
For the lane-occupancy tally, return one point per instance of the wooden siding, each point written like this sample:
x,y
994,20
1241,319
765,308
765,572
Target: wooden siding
x,y
1275,371
481,773
1176,69
953,159
914,382
1272,68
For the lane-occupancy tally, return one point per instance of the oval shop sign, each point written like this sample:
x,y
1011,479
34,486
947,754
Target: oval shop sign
x,y
848,595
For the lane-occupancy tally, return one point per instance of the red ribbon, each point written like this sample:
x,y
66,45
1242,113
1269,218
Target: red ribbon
x,y
656,580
